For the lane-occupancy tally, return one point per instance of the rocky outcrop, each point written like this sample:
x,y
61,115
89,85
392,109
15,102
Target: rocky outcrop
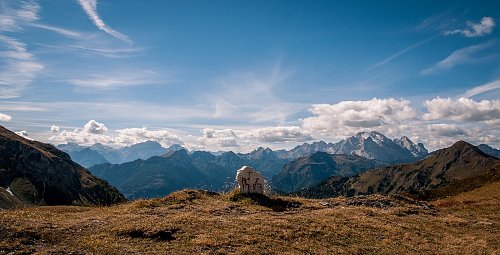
x,y
35,173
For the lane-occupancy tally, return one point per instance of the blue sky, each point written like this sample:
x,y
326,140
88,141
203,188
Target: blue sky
x,y
235,75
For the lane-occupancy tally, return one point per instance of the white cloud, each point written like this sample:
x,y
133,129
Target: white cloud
x,y
24,134
399,53
250,96
95,132
222,138
136,135
280,134
494,85
373,113
10,18
445,130
25,13
249,139
61,31
92,132
472,29
55,129
459,57
18,67
94,127
107,81
441,135
90,7
5,117
462,109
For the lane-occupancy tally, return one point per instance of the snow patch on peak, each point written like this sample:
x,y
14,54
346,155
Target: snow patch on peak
x,y
375,136
9,191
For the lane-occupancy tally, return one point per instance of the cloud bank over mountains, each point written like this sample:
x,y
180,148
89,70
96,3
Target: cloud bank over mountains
x,y
443,122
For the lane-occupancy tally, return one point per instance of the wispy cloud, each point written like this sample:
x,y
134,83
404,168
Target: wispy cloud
x,y
460,57
494,85
90,7
114,80
18,67
399,53
484,27
109,52
26,14
437,22
61,31
250,96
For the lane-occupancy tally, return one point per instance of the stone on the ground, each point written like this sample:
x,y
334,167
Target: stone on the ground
x,y
249,180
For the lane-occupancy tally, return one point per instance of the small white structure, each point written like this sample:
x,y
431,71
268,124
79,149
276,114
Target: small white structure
x,y
249,180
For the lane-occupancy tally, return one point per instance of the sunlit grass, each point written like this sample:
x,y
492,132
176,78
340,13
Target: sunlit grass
x,y
200,222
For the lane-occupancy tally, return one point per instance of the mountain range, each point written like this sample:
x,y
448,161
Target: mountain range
x,y
307,171
445,172
371,145
489,150
176,170
34,173
88,156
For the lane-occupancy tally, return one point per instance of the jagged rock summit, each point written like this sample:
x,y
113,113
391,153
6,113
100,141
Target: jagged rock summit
x,y
371,145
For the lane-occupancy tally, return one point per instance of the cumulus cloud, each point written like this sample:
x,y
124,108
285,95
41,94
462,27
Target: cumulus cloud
x,y
221,137
96,132
90,7
5,117
92,132
459,57
55,129
484,27
94,127
24,134
280,134
462,109
445,130
136,135
358,114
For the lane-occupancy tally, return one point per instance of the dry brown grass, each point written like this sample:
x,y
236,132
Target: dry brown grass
x,y
195,222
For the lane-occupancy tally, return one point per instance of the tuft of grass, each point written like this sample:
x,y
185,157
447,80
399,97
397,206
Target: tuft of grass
x,y
276,204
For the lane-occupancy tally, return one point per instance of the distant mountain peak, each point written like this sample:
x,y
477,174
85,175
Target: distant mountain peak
x,y
464,147
175,147
178,153
373,135
489,150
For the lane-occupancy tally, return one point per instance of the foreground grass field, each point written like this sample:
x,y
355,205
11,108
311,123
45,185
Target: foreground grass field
x,y
197,222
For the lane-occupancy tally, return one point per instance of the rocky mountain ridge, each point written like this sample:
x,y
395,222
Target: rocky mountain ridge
x,y
458,168
35,173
